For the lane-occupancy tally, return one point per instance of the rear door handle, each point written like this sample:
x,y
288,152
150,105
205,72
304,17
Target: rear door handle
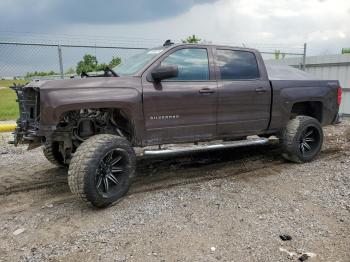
x,y
261,90
206,91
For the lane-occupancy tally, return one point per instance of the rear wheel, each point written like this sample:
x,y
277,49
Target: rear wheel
x,y
52,153
302,139
101,168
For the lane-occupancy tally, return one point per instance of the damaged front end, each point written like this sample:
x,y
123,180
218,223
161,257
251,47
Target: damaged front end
x,y
27,131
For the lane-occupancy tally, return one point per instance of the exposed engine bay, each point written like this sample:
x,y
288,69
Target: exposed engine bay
x,y
77,126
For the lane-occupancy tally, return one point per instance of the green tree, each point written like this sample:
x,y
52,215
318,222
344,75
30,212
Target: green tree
x,y
278,54
115,61
70,71
345,50
192,39
90,64
40,73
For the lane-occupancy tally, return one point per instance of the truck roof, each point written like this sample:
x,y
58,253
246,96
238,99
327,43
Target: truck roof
x,y
211,45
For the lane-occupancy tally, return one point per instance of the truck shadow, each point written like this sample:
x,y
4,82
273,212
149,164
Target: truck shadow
x,y
159,173
146,166
164,172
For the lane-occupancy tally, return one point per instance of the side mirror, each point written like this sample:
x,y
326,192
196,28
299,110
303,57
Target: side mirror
x,y
164,72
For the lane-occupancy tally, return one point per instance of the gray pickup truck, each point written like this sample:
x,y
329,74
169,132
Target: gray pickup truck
x,y
210,96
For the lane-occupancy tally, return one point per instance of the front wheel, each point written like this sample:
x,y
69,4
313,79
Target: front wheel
x,y
101,168
302,139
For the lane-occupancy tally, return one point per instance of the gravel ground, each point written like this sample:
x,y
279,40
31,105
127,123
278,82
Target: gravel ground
x,y
229,205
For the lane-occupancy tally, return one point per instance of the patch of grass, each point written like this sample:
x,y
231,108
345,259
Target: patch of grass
x,y
8,104
8,83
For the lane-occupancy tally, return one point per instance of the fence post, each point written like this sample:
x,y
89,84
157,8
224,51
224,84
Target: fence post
x,y
60,60
304,57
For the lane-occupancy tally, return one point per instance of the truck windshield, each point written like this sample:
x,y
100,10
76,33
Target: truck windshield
x,y
133,64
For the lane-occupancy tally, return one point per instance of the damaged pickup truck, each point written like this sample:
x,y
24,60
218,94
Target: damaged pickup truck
x,y
173,94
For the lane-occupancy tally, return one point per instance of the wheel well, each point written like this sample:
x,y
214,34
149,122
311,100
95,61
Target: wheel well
x,y
78,125
309,108
107,117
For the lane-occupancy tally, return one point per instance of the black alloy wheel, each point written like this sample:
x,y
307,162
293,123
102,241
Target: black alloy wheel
x,y
110,172
309,141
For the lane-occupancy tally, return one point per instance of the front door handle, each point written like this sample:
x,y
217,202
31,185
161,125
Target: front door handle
x,y
261,90
206,91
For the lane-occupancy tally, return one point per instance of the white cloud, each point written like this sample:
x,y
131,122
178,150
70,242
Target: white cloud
x,y
323,24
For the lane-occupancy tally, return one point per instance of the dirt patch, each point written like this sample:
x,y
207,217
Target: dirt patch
x,y
229,205
347,135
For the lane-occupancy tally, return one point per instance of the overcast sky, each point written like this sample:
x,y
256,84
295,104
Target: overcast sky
x,y
323,24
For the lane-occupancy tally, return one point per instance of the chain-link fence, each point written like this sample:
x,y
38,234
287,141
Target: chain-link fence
x,y
277,54
36,60
41,60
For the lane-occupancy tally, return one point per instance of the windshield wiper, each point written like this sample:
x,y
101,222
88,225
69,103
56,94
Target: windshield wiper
x,y
107,72
111,70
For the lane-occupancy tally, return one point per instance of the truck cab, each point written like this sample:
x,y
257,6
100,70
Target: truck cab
x,y
221,92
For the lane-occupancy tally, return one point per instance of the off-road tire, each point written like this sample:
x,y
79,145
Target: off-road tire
x,y
292,136
85,163
51,152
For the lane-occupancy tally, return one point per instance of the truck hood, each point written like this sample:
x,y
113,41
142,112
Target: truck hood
x,y
59,96
86,83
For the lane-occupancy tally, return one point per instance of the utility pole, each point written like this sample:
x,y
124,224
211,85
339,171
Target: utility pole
x,y
304,57
60,61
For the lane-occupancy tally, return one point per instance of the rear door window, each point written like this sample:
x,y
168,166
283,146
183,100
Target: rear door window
x,y
237,65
